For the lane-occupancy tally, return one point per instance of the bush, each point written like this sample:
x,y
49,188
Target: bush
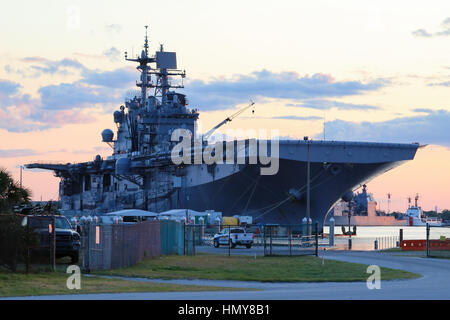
x,y
11,193
15,240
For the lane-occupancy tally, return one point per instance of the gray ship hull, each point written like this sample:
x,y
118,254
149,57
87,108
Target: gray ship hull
x,y
267,198
335,169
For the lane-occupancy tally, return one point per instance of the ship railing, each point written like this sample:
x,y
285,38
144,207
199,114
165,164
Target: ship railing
x,y
48,162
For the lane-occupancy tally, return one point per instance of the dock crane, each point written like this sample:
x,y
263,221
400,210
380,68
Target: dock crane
x,y
234,115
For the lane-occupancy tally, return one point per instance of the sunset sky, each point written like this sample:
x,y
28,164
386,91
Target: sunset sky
x,y
374,71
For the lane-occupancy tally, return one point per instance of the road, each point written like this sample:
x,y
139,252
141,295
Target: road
x,y
434,284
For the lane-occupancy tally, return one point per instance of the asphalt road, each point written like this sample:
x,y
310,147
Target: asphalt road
x,y
434,284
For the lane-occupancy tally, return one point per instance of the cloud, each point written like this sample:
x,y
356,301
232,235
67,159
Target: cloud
x,y
119,78
422,33
113,28
16,153
52,67
261,85
69,95
329,104
40,66
431,128
64,103
112,53
312,118
442,84
423,110
8,87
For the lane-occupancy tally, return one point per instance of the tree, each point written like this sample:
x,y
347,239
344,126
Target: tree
x,y
15,240
11,193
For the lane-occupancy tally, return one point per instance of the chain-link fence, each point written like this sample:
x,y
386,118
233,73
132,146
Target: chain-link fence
x,y
438,241
110,246
32,243
386,242
261,239
291,240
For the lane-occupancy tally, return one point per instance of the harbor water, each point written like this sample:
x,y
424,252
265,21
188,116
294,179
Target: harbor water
x,y
386,236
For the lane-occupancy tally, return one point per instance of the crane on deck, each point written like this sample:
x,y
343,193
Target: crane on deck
x,y
229,119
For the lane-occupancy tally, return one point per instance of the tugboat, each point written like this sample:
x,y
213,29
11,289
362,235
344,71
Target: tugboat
x,y
416,217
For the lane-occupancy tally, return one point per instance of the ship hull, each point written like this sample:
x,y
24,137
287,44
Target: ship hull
x,y
268,199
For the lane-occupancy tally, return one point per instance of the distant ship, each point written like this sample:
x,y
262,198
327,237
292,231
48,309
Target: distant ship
x,y
363,212
416,217
140,173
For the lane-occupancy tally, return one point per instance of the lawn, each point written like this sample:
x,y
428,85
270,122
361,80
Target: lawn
x,y
246,268
50,283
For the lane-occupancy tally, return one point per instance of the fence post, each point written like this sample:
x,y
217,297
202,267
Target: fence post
x,y
331,233
317,239
290,240
184,237
53,247
27,261
193,240
264,239
271,234
229,241
428,240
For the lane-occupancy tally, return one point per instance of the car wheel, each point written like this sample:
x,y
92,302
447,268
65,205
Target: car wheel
x,y
248,245
216,244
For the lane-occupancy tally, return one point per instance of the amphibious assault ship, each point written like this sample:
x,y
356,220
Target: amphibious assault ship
x,y
140,173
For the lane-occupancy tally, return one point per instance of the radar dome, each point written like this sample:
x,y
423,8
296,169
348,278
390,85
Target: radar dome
x,y
348,196
123,166
118,116
107,135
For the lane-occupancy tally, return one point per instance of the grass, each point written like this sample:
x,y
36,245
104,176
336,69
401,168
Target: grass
x,y
444,254
246,268
51,283
392,250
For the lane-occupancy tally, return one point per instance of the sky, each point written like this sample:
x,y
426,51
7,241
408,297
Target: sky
x,y
361,70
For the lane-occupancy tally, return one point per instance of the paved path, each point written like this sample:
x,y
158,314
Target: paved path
x,y
435,284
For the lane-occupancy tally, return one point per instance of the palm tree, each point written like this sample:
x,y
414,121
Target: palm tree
x,y
11,193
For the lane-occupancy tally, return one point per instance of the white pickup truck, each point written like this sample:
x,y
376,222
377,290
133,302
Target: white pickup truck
x,y
237,236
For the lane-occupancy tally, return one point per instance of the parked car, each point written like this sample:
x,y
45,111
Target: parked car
x,y
68,241
233,237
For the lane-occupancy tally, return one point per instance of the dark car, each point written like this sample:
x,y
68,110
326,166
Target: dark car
x,y
67,240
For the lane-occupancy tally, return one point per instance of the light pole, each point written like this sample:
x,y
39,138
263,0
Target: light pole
x,y
308,183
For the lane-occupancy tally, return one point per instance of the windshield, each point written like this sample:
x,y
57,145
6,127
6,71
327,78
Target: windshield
x,y
62,223
43,222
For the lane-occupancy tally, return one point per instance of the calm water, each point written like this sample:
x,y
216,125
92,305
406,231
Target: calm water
x,y
387,236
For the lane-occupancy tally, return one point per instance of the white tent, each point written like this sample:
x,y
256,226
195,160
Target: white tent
x,y
181,213
133,213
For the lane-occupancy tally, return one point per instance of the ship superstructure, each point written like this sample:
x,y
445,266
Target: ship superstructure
x,y
140,172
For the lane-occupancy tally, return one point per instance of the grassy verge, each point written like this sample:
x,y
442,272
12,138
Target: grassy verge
x,y
19,284
392,250
246,268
